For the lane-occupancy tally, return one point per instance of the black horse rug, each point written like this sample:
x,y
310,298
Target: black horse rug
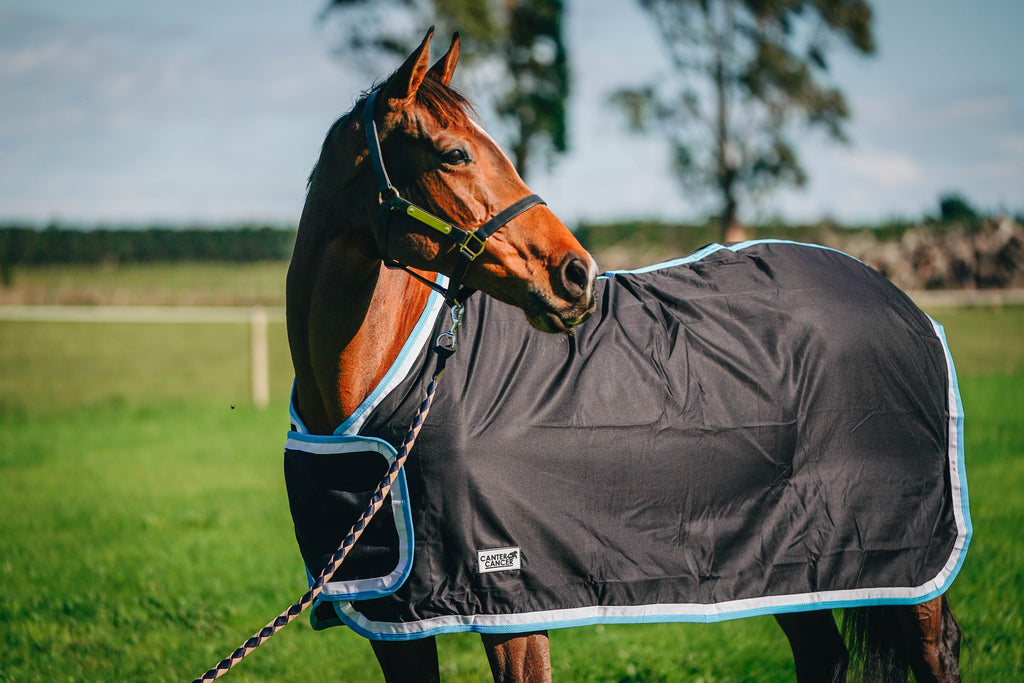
x,y
754,429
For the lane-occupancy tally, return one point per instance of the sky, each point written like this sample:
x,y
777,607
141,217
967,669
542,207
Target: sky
x,y
118,111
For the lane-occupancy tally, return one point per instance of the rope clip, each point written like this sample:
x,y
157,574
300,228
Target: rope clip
x,y
446,340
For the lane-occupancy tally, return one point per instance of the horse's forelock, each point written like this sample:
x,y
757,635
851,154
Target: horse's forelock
x,y
442,102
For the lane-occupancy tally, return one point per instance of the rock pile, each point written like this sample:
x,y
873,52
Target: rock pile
x,y
987,255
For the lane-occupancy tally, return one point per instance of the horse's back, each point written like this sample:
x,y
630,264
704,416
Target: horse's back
x,y
790,330
771,333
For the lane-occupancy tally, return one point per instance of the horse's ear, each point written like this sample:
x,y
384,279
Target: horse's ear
x,y
406,81
444,68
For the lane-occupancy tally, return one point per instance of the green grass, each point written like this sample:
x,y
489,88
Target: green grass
x,y
145,529
153,283
56,367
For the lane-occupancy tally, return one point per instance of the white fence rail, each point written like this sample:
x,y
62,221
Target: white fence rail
x,y
257,318
953,298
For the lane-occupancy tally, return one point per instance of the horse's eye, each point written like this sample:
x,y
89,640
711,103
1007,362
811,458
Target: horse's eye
x,y
455,156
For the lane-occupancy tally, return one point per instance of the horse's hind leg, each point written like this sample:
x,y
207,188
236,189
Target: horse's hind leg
x,y
412,661
934,638
818,649
519,657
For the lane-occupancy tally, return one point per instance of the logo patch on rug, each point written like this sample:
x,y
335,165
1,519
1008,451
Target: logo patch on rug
x,y
498,560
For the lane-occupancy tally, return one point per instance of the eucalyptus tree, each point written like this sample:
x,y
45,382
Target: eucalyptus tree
x,y
744,77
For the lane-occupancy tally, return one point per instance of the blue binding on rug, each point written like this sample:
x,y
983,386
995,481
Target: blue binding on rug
x,y
315,459
768,427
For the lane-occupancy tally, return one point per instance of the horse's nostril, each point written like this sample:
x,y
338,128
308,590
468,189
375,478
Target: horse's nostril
x,y
575,276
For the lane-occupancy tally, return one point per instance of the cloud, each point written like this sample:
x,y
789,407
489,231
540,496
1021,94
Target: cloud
x,y
122,110
890,169
962,110
972,109
1012,143
117,74
135,117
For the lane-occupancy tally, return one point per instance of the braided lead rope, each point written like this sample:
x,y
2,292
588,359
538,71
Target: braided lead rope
x,y
444,348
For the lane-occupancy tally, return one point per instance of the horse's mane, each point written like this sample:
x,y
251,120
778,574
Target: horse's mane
x,y
444,103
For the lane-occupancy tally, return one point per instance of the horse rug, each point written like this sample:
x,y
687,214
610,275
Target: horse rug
x,y
759,428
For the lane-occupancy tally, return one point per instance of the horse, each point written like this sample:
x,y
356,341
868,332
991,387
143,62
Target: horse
x,y
377,256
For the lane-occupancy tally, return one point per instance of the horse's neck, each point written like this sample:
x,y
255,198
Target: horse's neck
x,y
348,318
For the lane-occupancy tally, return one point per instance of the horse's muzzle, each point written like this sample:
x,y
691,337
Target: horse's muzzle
x,y
571,301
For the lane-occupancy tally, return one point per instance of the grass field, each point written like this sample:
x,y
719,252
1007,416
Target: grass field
x,y
206,284
145,530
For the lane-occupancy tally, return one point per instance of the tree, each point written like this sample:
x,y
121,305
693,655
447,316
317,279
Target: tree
x,y
954,208
514,46
744,73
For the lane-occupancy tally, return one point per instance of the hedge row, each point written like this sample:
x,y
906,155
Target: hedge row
x,y
57,245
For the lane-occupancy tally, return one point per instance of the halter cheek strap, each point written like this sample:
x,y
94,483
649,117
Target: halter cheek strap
x,y
470,243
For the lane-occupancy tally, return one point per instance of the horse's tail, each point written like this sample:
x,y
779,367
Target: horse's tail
x,y
879,650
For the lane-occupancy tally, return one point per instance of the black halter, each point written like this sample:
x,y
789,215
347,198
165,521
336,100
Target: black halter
x,y
470,243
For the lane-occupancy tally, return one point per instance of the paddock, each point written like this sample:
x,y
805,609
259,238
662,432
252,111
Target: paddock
x,y
177,539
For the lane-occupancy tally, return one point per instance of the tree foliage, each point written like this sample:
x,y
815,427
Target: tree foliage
x,y
23,244
744,74
954,207
513,47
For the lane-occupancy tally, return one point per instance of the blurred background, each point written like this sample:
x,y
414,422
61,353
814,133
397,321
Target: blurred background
x,y
153,166
833,114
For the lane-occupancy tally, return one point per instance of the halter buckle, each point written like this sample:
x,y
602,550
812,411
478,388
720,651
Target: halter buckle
x,y
469,250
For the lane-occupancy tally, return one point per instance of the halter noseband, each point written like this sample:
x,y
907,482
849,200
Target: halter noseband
x,y
470,243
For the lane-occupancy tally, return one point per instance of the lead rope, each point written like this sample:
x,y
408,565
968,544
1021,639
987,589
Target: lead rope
x,y
444,346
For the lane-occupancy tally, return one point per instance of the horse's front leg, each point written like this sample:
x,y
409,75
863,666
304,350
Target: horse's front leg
x,y
519,657
409,661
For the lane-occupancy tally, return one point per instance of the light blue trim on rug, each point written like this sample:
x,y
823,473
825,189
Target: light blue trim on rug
x,y
965,527
402,366
343,445
706,251
346,439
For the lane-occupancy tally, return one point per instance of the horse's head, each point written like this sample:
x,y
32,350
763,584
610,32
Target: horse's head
x,y
440,159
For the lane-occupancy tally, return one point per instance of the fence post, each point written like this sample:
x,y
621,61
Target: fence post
x,y
260,357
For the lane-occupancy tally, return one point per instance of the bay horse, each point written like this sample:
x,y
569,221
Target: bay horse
x,y
352,311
